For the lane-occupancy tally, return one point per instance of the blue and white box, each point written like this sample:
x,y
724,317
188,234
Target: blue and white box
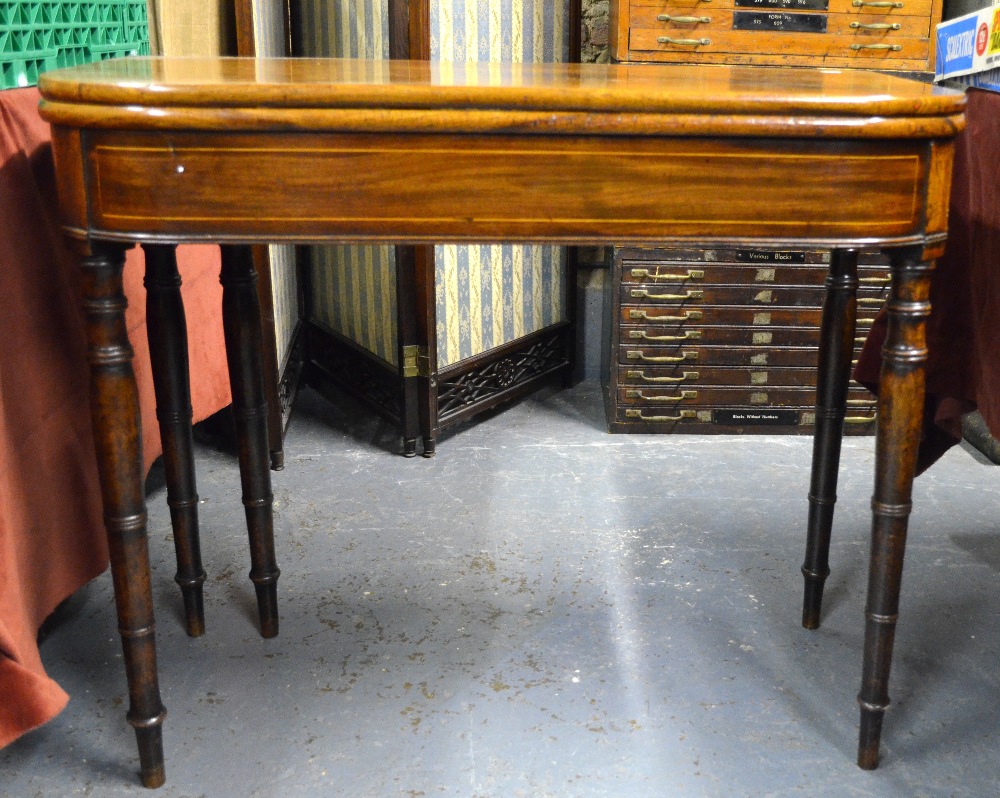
x,y
968,50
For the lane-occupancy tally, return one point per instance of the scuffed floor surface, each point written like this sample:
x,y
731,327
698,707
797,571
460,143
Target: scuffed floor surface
x,y
543,610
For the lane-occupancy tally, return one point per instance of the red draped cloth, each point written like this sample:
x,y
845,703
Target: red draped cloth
x,y
963,331
52,537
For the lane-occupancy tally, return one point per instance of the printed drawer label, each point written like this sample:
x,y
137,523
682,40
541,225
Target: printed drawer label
x,y
792,23
755,417
763,255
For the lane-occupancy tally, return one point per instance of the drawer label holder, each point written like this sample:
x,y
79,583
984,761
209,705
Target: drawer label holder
x,y
756,417
795,5
777,21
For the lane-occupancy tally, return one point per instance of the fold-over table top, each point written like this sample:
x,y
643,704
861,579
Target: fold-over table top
x,y
787,101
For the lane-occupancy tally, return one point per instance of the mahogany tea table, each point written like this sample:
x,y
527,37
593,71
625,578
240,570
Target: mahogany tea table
x,y
243,151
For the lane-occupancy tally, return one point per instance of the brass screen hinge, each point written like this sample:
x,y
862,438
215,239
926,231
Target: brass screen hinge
x,y
416,363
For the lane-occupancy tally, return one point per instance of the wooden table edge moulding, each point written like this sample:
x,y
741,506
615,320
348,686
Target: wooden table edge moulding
x,y
243,151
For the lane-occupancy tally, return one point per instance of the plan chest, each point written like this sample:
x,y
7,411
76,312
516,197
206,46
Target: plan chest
x,y
724,340
896,35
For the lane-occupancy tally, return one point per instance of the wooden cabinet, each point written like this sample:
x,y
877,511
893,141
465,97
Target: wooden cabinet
x,y
895,35
724,340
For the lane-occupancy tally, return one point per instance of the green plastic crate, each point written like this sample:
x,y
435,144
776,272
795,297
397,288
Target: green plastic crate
x,y
48,34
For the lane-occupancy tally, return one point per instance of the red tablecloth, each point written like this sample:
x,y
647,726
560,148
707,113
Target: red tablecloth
x,y
51,533
963,331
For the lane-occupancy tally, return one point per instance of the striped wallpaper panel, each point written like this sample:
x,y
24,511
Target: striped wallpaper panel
x,y
269,28
485,295
354,294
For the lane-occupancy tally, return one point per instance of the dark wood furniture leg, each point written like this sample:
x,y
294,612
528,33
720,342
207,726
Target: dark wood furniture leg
x,y
168,354
835,350
408,348
900,411
114,403
242,328
426,302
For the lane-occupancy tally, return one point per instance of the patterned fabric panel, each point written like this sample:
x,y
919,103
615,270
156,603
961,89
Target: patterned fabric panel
x,y
285,298
345,28
358,303
354,294
499,30
269,28
491,295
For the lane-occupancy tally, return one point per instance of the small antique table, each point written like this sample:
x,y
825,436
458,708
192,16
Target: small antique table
x,y
162,151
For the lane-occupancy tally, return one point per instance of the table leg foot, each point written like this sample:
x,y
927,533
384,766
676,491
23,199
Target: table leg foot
x,y
409,447
813,598
152,771
833,374
430,447
267,606
868,739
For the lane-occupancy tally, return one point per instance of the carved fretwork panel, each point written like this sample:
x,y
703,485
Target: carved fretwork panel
x,y
508,372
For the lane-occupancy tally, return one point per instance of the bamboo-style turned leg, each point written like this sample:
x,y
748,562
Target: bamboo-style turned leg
x,y
835,350
168,354
900,413
242,328
114,402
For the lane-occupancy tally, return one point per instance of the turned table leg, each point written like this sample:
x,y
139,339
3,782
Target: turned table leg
x,y
242,328
168,354
835,350
900,414
114,402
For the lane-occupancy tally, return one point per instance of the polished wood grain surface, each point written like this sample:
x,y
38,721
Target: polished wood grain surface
x,y
327,84
164,151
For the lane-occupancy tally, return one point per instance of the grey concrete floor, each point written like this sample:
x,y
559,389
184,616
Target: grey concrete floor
x,y
543,610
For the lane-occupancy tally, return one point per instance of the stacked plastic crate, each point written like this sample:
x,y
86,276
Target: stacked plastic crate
x,y
37,36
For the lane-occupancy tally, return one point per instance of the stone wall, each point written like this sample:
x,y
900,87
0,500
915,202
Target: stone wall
x,y
594,45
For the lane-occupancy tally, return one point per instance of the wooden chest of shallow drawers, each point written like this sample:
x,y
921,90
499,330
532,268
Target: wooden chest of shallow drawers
x,y
724,340
896,35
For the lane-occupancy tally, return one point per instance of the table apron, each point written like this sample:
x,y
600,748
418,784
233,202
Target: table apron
x,y
164,185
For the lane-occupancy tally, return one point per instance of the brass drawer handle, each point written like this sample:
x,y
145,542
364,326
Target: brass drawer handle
x,y
860,419
638,414
876,4
865,321
683,396
645,336
875,280
861,403
642,293
692,274
682,20
641,375
876,25
692,315
635,354
684,42
870,301
893,47
861,339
